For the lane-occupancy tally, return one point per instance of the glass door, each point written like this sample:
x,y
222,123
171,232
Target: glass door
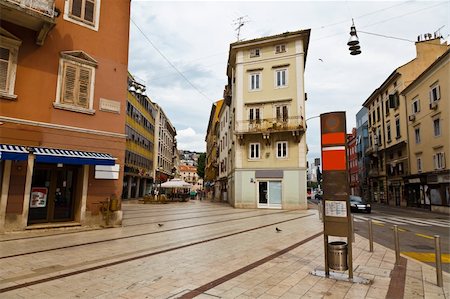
x,y
262,190
269,194
64,191
52,194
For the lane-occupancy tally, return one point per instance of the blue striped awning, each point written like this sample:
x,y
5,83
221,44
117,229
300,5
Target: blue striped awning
x,y
13,152
51,155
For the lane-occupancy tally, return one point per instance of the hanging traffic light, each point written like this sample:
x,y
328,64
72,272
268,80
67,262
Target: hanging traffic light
x,y
353,42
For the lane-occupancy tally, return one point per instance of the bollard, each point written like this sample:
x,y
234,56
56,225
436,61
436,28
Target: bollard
x,y
397,246
370,236
353,229
437,247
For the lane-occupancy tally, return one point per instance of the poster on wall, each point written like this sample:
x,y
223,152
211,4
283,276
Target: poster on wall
x,y
38,197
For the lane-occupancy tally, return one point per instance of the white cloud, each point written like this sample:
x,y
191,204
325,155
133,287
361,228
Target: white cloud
x,y
188,139
195,37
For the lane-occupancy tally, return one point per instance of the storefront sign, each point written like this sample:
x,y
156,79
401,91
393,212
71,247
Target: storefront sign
x,y
38,197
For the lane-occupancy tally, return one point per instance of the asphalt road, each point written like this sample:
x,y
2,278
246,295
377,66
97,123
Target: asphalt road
x,y
416,231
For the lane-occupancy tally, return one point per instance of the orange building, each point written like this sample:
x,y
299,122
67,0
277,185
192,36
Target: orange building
x,y
63,90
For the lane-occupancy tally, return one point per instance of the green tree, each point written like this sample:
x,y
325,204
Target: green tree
x,y
201,165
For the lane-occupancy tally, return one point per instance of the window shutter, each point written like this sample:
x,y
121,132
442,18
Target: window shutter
x,y
435,162
431,95
84,86
70,73
438,92
443,160
4,63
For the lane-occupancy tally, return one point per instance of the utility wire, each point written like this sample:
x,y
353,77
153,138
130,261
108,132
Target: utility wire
x,y
170,63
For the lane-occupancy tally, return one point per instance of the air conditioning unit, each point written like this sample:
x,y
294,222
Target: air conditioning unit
x,y
433,105
412,117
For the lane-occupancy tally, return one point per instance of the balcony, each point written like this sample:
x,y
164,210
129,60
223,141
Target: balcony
x,y
37,15
268,126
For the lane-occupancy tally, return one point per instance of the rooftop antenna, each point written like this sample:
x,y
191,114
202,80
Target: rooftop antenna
x,y
239,22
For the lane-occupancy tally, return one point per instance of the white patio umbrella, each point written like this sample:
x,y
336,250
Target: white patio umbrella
x,y
176,183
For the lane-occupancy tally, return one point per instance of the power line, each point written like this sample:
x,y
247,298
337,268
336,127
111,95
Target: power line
x,y
170,63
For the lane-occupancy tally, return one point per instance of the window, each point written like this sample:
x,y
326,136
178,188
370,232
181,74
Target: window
x,y
397,128
282,148
254,151
417,135
437,127
439,160
388,129
435,93
8,62
416,106
254,115
280,78
378,113
75,88
255,52
394,100
280,49
282,113
419,164
386,107
83,12
255,81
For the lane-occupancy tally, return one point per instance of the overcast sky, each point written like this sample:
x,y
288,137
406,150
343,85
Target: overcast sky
x,y
180,50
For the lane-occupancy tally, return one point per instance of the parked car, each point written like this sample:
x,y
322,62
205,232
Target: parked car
x,y
358,204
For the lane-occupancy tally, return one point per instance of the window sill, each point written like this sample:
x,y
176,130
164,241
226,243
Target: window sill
x,y
7,96
73,108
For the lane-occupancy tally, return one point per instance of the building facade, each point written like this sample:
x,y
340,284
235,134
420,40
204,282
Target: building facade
x,y
362,142
212,155
352,159
268,149
223,148
140,131
387,123
428,110
63,99
166,154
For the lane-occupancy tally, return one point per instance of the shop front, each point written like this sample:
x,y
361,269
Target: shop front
x,y
47,185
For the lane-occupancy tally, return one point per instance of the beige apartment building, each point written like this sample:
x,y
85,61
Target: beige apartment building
x,y
387,125
428,110
268,146
165,155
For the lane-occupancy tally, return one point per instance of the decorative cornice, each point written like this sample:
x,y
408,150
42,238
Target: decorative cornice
x,y
59,127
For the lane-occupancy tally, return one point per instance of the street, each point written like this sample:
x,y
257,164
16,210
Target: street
x,y
416,231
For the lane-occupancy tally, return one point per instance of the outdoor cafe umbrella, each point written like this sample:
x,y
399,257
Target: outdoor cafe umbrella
x,y
176,183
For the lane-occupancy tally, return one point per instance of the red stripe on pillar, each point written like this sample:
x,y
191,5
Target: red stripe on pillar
x,y
334,160
333,138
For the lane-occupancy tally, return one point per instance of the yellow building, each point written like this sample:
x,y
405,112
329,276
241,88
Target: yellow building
x,y
211,165
268,150
140,131
387,126
428,110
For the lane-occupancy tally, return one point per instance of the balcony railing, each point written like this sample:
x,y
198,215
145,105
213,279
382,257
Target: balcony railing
x,y
267,125
45,7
